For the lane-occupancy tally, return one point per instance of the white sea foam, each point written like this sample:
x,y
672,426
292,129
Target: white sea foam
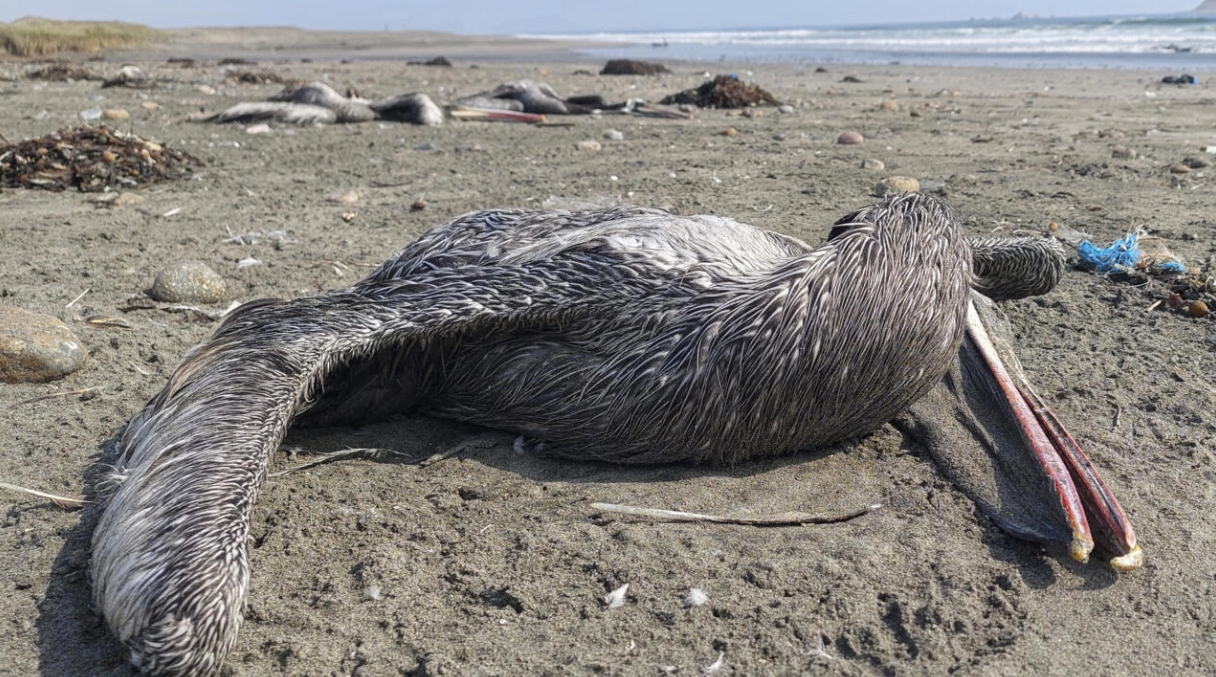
x,y
1187,40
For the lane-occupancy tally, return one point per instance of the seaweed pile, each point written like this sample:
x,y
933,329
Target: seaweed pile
x,y
91,159
724,91
62,72
256,78
632,67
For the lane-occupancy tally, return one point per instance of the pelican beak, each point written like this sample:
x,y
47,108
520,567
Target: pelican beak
x,y
1093,515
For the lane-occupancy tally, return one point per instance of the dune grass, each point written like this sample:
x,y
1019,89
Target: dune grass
x,y
34,37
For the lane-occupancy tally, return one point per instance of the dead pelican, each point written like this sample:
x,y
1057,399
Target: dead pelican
x,y
629,335
526,96
318,103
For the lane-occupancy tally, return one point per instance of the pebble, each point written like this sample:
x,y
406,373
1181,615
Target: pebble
x,y
589,145
345,197
729,131
873,164
1180,169
127,200
149,105
614,135
116,114
785,108
889,105
1197,162
259,128
36,348
851,138
896,184
429,145
188,282
1123,153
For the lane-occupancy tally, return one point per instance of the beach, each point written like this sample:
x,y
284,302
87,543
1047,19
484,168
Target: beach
x,y
493,562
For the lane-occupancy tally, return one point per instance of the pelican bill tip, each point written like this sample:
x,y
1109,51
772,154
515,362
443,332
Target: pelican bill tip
x,y
1129,562
1080,548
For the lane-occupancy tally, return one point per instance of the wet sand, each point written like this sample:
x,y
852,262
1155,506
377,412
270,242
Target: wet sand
x,y
492,562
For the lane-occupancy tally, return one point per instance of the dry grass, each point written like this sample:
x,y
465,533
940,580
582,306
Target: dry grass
x,y
34,37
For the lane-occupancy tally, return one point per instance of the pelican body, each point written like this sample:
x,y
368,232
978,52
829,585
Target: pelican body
x,y
628,335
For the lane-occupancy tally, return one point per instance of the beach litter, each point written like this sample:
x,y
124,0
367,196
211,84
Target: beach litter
x,y
724,91
1145,261
90,159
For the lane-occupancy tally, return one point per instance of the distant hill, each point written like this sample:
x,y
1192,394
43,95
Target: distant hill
x,y
1208,7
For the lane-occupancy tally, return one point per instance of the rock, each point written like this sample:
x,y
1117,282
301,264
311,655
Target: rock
x,y
188,282
614,135
872,164
1197,162
259,128
36,348
589,145
889,105
116,114
896,184
785,109
149,105
851,138
729,131
127,200
429,145
1180,169
345,197
1123,153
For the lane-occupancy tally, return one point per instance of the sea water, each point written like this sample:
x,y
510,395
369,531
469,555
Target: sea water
x,y
1174,43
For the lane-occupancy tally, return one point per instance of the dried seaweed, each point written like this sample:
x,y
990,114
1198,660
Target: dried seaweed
x,y
632,67
91,159
724,91
62,72
256,78
434,61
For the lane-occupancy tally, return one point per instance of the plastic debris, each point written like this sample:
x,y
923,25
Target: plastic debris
x,y
1122,254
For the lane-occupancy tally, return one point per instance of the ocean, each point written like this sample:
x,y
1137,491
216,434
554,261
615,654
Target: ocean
x,y
1173,43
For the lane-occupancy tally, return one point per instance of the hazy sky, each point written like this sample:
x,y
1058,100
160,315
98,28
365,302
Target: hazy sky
x,y
556,16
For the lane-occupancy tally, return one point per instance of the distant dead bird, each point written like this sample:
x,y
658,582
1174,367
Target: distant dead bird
x,y
318,103
628,335
526,96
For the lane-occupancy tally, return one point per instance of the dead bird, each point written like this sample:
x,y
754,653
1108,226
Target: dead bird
x,y
318,103
628,335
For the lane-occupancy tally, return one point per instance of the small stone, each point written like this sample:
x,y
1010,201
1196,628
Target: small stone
x,y
589,145
116,114
259,128
345,197
851,138
1198,309
149,105
873,164
752,113
127,200
729,131
1180,169
429,145
614,135
205,89
896,184
778,137
914,113
349,216
36,348
785,109
889,105
1197,162
1123,153
188,282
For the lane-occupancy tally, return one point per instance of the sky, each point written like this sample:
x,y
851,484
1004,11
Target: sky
x,y
565,16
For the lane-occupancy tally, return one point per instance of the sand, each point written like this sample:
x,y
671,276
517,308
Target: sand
x,y
492,562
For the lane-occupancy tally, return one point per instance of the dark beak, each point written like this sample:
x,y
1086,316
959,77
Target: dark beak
x,y
996,438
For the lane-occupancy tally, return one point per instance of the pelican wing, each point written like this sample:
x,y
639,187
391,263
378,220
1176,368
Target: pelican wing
x,y
198,453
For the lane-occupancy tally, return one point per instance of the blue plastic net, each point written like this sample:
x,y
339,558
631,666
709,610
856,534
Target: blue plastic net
x,y
1122,254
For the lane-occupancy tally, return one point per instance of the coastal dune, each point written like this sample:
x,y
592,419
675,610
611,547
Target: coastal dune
x,y
494,562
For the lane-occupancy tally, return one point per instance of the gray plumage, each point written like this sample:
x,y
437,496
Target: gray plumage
x,y
628,334
318,103
525,96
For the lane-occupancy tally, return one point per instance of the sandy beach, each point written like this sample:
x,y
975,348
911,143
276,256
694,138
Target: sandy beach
x,y
494,563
